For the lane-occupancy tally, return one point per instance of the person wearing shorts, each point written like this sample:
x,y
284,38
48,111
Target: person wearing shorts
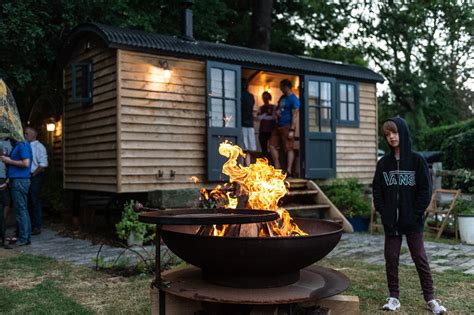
x,y
287,114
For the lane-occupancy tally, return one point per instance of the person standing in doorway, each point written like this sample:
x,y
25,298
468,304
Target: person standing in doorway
x,y
38,167
267,122
19,166
287,114
248,131
402,192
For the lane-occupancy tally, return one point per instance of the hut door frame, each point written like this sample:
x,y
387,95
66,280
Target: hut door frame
x,y
319,131
223,114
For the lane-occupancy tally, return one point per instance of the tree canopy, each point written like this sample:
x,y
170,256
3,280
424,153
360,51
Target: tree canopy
x,y
32,31
422,48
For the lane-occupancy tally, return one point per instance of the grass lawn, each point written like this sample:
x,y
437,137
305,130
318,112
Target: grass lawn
x,y
32,284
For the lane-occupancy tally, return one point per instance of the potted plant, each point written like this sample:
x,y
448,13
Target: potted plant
x,y
130,229
464,211
348,196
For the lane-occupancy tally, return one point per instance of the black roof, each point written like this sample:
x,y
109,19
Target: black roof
x,y
122,38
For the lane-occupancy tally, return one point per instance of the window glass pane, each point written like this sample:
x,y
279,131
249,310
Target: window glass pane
x,y
229,84
313,119
343,92
343,111
350,93
217,113
325,91
326,122
216,82
230,116
313,89
351,115
325,103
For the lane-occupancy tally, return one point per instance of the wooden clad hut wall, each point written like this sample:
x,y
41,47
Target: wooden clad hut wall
x,y
162,122
89,132
356,148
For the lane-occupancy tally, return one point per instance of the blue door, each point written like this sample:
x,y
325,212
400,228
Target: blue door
x,y
319,129
223,114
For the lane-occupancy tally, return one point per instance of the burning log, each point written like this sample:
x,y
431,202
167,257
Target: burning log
x,y
258,186
249,230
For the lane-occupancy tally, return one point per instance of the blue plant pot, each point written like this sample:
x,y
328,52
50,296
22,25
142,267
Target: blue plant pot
x,y
359,224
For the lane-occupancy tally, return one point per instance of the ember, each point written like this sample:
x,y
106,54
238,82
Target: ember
x,y
261,184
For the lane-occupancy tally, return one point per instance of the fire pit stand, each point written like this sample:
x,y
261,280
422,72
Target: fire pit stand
x,y
315,283
193,217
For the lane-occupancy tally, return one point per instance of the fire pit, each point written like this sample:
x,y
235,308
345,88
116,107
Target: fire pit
x,y
246,256
253,262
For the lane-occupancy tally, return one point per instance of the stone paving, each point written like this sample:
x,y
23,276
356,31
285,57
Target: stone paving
x,y
369,248
84,252
366,247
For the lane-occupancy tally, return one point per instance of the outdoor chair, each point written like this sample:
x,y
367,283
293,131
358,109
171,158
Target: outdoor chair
x,y
440,209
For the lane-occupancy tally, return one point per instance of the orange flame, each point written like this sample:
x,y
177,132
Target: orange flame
x,y
264,186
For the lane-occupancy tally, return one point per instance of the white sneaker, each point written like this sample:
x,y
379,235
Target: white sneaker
x,y
436,307
392,304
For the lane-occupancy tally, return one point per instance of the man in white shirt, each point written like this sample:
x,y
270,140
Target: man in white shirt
x,y
38,165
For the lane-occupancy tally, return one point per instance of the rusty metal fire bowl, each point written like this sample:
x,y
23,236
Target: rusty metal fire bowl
x,y
253,262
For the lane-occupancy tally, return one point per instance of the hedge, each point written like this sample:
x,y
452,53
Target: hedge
x,y
458,151
434,138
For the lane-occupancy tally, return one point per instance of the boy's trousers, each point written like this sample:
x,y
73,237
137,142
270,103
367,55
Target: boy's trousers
x,y
418,254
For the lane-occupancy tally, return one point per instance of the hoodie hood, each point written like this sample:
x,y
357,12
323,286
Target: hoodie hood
x,y
404,138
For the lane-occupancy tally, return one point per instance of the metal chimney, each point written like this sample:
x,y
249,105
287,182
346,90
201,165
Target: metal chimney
x,y
187,20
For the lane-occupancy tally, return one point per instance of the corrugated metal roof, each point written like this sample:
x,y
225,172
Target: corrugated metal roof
x,y
152,42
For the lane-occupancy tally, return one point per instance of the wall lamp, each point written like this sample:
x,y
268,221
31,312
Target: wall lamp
x,y
166,67
51,126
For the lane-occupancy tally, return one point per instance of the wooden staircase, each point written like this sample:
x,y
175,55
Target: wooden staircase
x,y
305,199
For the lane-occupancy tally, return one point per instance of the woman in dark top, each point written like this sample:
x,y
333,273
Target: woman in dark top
x,y
267,121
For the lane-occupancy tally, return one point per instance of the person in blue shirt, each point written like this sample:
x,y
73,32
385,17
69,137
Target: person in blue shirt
x,y
287,114
19,166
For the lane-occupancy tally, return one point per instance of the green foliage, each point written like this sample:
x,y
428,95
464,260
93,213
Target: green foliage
x,y
348,196
434,138
33,31
459,151
422,49
464,206
130,223
461,179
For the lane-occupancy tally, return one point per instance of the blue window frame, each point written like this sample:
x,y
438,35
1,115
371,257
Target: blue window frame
x,y
82,83
224,95
348,104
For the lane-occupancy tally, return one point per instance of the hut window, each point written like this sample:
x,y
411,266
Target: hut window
x,y
223,97
348,105
81,83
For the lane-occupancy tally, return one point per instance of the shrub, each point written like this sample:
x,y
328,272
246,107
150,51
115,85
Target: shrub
x,y
129,223
434,138
459,179
459,151
464,206
348,196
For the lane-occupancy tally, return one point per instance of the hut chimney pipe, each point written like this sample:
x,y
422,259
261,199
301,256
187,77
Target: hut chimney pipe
x,y
187,20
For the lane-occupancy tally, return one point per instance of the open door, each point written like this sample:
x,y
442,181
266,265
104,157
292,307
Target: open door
x,y
223,114
319,127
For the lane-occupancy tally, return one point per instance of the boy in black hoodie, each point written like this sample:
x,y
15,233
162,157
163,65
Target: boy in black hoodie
x,y
402,192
